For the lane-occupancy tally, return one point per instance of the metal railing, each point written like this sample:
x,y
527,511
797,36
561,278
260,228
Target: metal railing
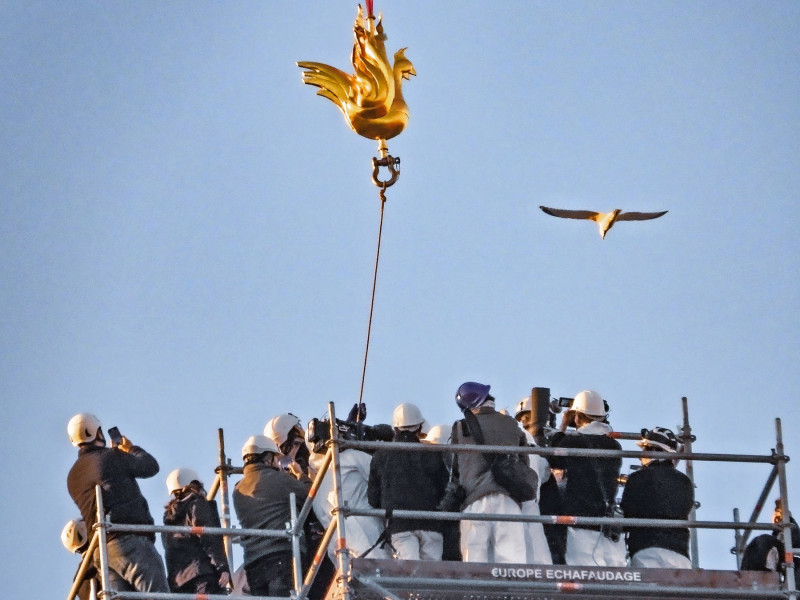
x,y
337,526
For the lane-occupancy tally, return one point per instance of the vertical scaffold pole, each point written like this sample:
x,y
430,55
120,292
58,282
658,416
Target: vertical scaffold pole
x,y
688,438
788,558
737,536
102,545
343,558
297,567
222,471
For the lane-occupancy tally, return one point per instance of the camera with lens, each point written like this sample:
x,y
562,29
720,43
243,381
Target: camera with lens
x,y
319,432
558,405
543,411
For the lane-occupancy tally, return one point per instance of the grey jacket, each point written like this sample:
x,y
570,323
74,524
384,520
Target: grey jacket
x,y
474,472
261,501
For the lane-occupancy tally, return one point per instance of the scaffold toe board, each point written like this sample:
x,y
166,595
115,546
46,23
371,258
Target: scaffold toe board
x,y
429,580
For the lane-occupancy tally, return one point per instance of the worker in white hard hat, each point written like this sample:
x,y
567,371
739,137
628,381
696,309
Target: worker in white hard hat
x,y
409,480
134,563
536,543
486,541
591,487
438,434
286,430
196,563
75,538
658,491
362,531
261,501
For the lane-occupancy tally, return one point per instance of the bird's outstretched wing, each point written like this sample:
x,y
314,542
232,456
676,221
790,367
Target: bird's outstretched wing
x,y
570,214
639,216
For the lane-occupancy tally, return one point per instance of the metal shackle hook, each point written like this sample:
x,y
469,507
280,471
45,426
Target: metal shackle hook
x,y
392,163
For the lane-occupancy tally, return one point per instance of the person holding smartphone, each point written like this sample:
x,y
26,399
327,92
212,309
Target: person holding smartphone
x,y
133,561
261,501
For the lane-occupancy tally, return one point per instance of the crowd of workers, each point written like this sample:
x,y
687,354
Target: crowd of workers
x,y
286,458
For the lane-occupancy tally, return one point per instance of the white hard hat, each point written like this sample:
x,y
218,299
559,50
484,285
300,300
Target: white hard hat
x,y
82,428
658,437
278,427
438,434
74,535
258,444
523,406
407,415
589,403
180,478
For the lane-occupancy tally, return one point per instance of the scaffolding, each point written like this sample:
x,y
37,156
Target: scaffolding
x,y
388,579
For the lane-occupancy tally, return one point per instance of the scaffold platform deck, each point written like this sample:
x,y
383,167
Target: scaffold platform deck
x,y
373,579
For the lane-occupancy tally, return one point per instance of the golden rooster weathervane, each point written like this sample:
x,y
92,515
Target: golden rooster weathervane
x,y
370,99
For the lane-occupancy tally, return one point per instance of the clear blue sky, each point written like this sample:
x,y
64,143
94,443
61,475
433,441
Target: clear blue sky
x,y
187,232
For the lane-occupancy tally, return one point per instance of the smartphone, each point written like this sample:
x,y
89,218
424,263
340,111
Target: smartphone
x,y
566,402
115,435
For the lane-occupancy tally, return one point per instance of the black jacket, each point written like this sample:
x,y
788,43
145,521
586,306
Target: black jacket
x,y
189,556
407,480
591,482
658,491
116,472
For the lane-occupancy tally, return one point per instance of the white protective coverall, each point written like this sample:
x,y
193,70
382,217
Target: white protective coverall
x,y
587,546
360,532
659,558
537,550
489,541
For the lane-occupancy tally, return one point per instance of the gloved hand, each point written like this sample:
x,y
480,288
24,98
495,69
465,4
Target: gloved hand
x,y
125,445
358,413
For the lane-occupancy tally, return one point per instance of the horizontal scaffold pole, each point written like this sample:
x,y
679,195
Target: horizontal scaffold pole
x,y
586,588
169,596
557,519
591,452
233,531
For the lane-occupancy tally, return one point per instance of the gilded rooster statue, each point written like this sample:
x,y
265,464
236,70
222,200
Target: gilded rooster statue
x,y
370,99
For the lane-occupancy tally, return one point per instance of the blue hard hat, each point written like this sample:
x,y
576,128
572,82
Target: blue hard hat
x,y
471,395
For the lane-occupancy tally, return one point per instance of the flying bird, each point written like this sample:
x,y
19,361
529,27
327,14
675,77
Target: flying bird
x,y
605,221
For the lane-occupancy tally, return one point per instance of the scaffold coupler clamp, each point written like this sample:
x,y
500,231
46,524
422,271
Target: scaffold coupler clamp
x,y
779,457
224,469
